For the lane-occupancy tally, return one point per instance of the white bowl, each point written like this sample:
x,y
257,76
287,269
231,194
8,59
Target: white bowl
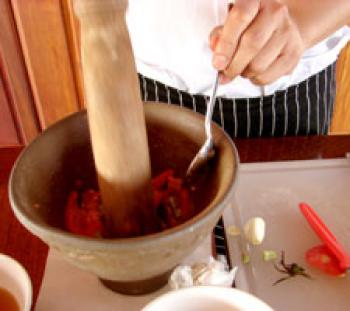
x,y
207,298
15,279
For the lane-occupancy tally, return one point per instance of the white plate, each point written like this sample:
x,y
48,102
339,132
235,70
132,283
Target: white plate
x,y
207,298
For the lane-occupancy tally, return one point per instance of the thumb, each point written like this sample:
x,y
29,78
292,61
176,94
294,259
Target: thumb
x,y
214,37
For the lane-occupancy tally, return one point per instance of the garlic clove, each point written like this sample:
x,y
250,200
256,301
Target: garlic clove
x,y
254,230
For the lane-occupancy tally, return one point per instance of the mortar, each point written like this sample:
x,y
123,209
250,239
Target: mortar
x,y
47,169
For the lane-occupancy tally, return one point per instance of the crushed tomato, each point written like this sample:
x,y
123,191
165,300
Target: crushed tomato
x,y
171,200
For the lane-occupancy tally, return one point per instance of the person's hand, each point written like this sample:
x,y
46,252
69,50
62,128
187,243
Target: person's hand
x,y
259,40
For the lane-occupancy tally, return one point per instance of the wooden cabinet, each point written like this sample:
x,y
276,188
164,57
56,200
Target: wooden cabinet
x,y
341,118
40,79
17,112
43,34
37,67
8,131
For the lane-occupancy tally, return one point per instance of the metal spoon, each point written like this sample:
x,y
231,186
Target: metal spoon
x,y
207,151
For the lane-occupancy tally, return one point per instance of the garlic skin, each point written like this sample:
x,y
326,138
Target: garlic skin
x,y
215,274
212,272
181,277
254,230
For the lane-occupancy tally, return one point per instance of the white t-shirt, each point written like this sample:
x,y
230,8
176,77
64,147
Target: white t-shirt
x,y
170,40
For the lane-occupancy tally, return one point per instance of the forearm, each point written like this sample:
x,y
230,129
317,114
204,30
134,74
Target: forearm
x,y
317,19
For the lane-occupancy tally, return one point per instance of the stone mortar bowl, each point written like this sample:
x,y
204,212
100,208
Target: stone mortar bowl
x,y
45,173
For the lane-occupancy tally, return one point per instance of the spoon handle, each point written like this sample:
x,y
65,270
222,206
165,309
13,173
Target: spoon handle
x,y
210,107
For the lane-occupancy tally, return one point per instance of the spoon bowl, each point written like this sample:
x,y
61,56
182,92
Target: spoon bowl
x,y
207,151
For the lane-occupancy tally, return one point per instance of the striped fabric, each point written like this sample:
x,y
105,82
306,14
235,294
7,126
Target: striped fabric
x,y
221,241
302,109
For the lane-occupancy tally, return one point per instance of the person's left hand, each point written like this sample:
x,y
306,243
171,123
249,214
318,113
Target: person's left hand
x,y
259,40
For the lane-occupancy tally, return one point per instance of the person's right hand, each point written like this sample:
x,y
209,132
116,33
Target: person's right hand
x,y
259,40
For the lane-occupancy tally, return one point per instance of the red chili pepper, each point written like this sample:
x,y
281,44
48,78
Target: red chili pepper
x,y
159,181
174,197
174,184
84,219
71,220
170,198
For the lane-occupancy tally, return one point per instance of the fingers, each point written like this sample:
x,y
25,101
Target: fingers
x,y
238,19
268,54
254,38
259,41
214,37
283,65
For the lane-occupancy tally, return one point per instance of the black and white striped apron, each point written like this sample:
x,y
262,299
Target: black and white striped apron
x,y
302,109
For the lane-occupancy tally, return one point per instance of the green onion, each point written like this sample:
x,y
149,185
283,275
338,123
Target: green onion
x,y
269,255
245,259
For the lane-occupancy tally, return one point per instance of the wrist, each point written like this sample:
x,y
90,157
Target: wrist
x,y
306,28
317,19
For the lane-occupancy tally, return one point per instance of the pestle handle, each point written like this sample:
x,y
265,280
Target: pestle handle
x,y
115,115
82,7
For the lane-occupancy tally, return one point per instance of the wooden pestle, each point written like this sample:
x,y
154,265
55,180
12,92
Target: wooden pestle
x,y
116,117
